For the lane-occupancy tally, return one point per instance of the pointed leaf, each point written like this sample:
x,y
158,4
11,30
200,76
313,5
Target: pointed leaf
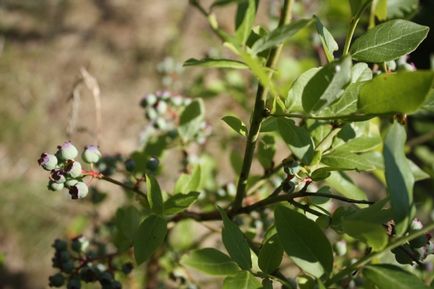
x,y
371,233
235,242
153,192
216,63
293,101
271,254
388,41
211,261
245,18
329,44
297,138
127,221
304,242
345,160
344,186
399,178
149,236
191,119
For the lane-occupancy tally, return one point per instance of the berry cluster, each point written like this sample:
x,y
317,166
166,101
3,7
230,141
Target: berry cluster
x,y
162,110
77,264
65,171
417,250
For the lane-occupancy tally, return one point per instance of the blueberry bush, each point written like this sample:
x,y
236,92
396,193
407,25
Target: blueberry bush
x,y
296,214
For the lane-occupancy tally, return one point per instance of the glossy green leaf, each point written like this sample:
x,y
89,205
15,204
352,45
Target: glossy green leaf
x,y
215,63
245,17
149,236
346,104
360,72
191,119
236,124
179,202
329,44
326,85
371,233
304,242
293,101
127,221
235,242
345,160
211,261
279,35
388,41
242,280
297,138
153,192
271,254
386,276
402,92
399,178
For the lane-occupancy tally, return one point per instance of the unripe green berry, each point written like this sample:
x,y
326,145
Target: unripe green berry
x,y
91,154
152,164
151,114
161,107
160,123
47,161
176,100
53,186
56,280
79,190
73,169
67,151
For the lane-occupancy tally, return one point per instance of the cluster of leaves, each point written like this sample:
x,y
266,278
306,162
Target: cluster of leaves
x,y
345,117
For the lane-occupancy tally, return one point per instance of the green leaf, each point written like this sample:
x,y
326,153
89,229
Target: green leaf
x,y
216,63
127,221
235,242
179,202
293,100
329,44
236,124
149,236
279,35
388,41
386,276
360,144
371,233
271,254
345,160
304,242
211,261
242,280
402,92
401,8
399,179
266,150
381,9
326,85
356,5
360,72
344,186
191,119
298,139
417,172
187,183
153,192
245,17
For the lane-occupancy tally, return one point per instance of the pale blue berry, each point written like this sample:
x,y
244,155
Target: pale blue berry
x,y
67,151
73,169
91,154
161,107
53,186
78,191
47,161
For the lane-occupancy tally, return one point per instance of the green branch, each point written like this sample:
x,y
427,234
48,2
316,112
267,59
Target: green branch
x,y
353,25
